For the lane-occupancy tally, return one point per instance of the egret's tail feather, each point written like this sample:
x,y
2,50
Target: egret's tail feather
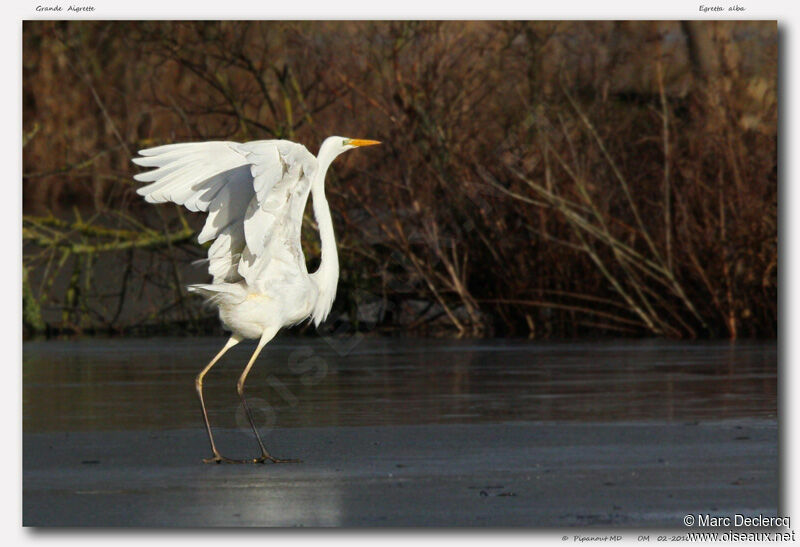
x,y
218,293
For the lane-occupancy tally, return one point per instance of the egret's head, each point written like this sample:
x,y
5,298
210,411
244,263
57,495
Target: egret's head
x,y
333,146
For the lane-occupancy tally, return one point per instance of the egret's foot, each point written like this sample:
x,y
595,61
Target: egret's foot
x,y
216,458
267,458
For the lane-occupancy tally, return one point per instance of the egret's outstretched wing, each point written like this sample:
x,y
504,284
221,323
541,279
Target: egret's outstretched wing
x,y
254,194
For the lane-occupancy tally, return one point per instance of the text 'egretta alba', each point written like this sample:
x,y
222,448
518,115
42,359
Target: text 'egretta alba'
x,y
255,194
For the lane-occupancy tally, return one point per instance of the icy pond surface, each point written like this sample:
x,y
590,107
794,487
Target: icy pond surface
x,y
401,432
117,384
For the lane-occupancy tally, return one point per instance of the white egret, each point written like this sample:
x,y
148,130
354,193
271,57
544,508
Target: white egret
x,y
255,195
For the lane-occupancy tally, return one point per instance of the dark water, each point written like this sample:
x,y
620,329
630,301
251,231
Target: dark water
x,y
123,384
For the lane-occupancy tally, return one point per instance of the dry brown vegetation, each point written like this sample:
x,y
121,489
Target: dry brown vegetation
x,y
543,179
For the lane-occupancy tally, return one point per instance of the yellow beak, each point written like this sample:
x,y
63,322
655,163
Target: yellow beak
x,y
362,142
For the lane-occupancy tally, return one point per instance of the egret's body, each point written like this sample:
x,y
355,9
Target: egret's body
x,y
255,194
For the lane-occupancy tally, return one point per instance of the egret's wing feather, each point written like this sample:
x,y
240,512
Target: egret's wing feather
x,y
211,177
281,180
184,170
254,194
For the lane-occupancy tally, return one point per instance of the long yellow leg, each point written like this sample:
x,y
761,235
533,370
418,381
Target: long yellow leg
x,y
266,337
198,384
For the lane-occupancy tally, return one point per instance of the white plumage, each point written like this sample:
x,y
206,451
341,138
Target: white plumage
x,y
254,195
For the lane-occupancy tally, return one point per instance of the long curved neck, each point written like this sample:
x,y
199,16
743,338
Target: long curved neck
x,y
327,275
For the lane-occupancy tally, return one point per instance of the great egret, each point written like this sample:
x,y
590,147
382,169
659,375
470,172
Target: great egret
x,y
255,194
